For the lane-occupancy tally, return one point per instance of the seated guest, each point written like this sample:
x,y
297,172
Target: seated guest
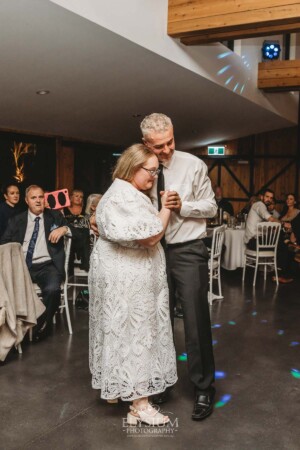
x,y
90,210
9,208
258,213
247,207
92,203
288,251
272,210
295,234
223,204
76,217
289,211
39,231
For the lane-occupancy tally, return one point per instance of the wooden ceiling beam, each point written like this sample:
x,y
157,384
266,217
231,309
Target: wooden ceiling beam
x,y
202,21
238,34
279,76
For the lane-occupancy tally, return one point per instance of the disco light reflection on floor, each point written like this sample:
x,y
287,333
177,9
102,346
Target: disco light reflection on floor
x,y
295,373
223,400
220,375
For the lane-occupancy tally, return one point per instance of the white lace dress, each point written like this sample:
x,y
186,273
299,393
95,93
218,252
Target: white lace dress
x,y
132,353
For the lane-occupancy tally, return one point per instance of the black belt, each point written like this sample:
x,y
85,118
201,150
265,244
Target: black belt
x,y
182,244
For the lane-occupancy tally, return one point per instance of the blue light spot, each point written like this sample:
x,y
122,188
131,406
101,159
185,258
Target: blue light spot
x,y
222,402
294,343
223,55
223,69
216,325
184,354
280,332
220,375
254,313
214,342
228,80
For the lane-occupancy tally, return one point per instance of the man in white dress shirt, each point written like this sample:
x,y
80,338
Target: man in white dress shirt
x,y
191,200
258,213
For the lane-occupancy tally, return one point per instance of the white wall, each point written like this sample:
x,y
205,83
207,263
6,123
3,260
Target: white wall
x,y
145,23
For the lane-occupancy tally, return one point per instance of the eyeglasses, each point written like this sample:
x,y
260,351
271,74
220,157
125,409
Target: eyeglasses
x,y
153,172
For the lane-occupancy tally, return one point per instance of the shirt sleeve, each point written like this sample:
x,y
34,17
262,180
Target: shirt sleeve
x,y
263,211
203,205
125,220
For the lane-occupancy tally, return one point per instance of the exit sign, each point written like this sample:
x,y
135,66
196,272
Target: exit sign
x,y
216,151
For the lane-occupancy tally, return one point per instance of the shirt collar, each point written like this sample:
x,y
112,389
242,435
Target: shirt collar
x,y
169,164
32,216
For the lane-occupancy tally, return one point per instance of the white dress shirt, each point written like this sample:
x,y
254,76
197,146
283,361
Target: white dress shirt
x,y
187,175
40,253
258,213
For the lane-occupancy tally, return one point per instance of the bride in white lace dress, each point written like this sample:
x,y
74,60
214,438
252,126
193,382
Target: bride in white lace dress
x,y
132,354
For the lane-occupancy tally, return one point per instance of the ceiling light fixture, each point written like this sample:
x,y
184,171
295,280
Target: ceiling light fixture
x,y
42,92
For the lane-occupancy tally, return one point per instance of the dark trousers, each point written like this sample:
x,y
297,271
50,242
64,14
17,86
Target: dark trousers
x,y
187,270
285,259
46,276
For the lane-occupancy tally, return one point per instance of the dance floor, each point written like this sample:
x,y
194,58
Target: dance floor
x,y
47,401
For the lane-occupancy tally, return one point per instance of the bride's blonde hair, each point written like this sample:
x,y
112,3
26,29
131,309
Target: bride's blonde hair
x,y
131,160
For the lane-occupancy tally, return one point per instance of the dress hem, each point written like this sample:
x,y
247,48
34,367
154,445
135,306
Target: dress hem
x,y
136,397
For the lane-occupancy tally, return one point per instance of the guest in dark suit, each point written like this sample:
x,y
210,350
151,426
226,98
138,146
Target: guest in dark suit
x,y
39,231
222,203
10,207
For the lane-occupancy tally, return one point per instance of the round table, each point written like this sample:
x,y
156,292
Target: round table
x,y
235,248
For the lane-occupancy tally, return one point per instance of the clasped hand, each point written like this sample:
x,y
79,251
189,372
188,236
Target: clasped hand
x,y
171,200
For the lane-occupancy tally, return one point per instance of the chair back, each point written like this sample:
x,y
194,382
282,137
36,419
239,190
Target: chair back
x,y
217,242
268,235
67,244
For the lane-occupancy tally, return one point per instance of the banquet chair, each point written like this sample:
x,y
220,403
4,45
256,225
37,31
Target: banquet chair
x,y
64,298
80,276
267,236
214,263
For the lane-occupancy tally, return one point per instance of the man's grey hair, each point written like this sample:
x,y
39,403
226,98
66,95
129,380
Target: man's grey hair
x,y
32,186
155,122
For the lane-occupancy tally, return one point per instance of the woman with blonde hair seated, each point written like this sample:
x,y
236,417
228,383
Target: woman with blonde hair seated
x,y
92,203
132,354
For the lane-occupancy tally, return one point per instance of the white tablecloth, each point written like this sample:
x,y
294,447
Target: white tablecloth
x,y
235,248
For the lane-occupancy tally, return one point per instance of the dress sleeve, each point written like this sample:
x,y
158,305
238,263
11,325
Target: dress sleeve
x,y
125,220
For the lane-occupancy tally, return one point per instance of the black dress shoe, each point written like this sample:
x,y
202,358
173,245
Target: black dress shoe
x,y
178,313
41,333
161,398
203,406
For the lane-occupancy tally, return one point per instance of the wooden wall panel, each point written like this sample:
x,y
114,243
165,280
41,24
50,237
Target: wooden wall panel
x,y
279,75
222,17
271,153
64,166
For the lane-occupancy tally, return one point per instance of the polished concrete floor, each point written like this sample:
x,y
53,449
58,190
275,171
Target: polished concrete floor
x,y
47,402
